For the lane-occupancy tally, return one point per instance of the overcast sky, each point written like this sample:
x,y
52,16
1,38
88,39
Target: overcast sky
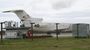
x,y
69,11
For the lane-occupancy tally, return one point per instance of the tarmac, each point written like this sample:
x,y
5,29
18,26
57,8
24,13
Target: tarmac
x,y
63,35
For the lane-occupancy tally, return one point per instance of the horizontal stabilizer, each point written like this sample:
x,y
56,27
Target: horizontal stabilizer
x,y
13,11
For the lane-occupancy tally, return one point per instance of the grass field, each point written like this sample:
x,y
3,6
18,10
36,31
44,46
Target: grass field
x,y
46,44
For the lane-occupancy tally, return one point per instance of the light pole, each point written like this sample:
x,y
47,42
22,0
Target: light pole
x,y
57,31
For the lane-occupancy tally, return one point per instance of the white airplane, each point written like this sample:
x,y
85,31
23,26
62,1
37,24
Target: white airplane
x,y
39,24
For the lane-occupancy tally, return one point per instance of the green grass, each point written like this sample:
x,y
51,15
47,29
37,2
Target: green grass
x,y
46,44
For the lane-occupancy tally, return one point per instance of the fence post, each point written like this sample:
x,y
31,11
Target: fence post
x,y
57,31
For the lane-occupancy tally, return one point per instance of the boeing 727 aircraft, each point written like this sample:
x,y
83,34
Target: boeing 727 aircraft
x,y
39,24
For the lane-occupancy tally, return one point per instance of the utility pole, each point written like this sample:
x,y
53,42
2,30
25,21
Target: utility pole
x,y
32,29
57,31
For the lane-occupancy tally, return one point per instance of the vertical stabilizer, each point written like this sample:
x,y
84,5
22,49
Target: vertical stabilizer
x,y
23,16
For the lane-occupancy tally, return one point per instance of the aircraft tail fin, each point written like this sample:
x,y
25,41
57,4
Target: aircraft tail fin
x,y
23,16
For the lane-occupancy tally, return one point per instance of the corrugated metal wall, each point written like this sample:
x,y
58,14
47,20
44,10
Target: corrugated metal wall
x,y
80,30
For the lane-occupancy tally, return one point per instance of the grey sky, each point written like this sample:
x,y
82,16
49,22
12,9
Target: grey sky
x,y
58,10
